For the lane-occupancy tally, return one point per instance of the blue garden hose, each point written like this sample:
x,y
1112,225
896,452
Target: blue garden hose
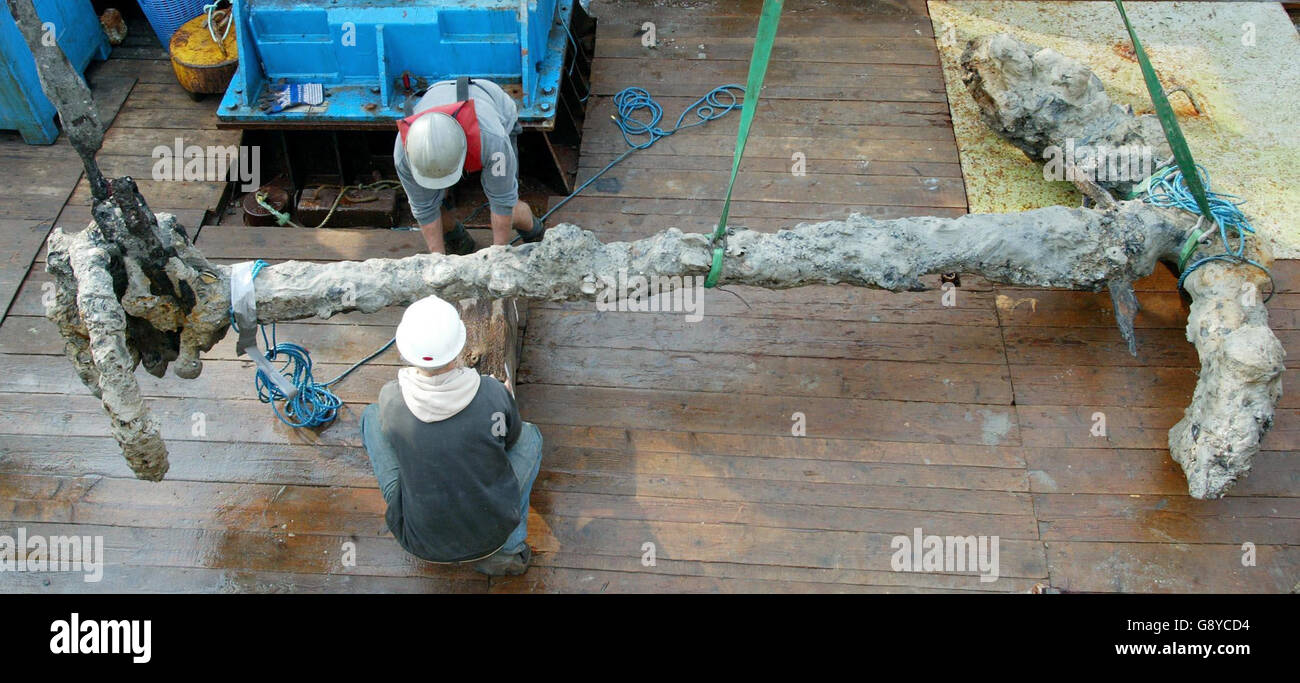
x,y
629,102
314,405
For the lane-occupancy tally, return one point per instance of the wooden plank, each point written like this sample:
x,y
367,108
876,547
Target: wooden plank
x,y
547,579
75,218
168,96
231,461
1286,273
1171,568
842,378
867,551
771,416
689,24
1146,472
781,187
1167,519
19,242
289,464
846,10
591,163
1062,308
274,551
48,177
1160,309
333,244
140,142
148,115
784,446
845,116
140,51
283,551
840,149
170,194
146,70
768,336
223,379
575,460
202,419
163,196
1148,387
760,490
1078,346
251,422
110,93
1129,427
122,578
695,77
787,49
334,511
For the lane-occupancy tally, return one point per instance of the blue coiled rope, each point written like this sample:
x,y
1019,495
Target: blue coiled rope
x,y
641,133
315,405
1169,188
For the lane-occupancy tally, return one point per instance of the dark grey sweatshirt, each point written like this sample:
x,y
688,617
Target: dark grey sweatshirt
x,y
457,498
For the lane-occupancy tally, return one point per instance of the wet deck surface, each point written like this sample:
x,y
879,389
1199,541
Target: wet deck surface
x,y
973,419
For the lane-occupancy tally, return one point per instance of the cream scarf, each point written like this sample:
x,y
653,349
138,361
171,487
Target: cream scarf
x,y
438,397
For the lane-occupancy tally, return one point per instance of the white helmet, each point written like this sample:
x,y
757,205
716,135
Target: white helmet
x,y
435,148
431,333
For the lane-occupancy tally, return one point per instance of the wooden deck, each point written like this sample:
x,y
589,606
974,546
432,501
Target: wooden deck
x,y
972,419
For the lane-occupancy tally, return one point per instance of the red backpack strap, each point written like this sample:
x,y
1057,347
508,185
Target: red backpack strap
x,y
467,116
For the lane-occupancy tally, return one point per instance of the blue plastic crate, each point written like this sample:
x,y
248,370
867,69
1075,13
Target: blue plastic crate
x,y
23,105
165,16
359,49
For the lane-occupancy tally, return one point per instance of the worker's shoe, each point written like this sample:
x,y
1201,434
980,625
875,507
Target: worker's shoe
x,y
501,564
458,240
534,235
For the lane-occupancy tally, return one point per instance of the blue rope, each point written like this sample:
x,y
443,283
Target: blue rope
x,y
629,102
1169,188
315,405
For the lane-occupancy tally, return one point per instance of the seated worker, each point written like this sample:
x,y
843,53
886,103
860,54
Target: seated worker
x,y
463,126
454,461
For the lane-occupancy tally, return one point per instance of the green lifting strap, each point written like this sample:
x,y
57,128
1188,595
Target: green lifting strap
x,y
1174,134
757,71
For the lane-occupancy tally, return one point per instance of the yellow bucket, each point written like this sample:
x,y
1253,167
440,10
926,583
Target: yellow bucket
x,y
202,65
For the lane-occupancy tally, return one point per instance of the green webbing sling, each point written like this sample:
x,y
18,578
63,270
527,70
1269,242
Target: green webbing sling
x,y
1174,134
757,70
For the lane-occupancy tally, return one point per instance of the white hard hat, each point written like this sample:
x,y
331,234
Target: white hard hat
x,y
435,148
431,333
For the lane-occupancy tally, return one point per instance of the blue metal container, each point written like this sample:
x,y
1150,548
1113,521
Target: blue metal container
x,y
23,106
360,50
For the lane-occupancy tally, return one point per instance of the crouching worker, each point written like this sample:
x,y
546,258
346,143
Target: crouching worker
x,y
458,127
454,461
